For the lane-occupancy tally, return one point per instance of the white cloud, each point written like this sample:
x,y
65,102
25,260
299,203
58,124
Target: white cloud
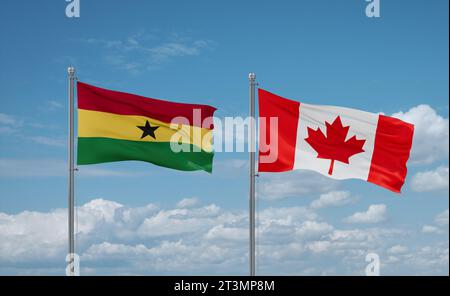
x,y
188,202
442,218
141,52
38,236
161,53
441,224
431,229
434,180
319,246
179,221
116,234
285,215
374,214
8,123
101,209
431,134
397,249
204,239
227,233
435,256
353,235
313,229
333,199
11,125
294,184
7,119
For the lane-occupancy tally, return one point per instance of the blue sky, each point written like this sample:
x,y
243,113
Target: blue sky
x,y
320,52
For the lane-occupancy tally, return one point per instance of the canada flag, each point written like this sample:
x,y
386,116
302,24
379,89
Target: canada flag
x,y
338,142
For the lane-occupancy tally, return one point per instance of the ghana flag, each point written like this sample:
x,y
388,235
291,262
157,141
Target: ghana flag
x,y
116,126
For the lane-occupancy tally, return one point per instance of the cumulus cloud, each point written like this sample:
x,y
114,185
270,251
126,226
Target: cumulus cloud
x,y
188,202
179,221
433,180
429,256
203,239
294,184
441,224
309,229
333,199
168,240
38,236
227,233
374,214
431,134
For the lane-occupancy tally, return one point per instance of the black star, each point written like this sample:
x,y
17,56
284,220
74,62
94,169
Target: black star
x,y
148,130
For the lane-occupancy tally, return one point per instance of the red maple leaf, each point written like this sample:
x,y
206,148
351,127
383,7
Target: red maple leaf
x,y
334,146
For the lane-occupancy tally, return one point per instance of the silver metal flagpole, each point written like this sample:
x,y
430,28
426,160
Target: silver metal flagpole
x,y
252,251
71,72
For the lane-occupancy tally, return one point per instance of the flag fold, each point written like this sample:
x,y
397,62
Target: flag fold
x,y
116,126
338,142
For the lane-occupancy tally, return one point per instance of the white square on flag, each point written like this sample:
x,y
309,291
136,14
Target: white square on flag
x,y
361,124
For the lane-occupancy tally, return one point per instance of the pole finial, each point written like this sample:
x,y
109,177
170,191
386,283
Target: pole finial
x,y
71,70
251,76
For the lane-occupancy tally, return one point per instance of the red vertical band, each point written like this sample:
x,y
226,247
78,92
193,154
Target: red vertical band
x,y
287,112
393,141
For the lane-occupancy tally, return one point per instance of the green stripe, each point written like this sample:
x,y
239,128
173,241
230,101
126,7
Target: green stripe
x,y
99,150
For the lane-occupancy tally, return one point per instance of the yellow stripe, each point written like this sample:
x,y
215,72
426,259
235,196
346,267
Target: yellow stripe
x,y
95,124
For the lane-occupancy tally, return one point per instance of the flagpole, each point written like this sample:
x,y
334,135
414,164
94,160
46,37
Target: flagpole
x,y
71,200
252,251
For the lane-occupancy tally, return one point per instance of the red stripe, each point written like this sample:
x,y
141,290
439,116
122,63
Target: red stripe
x,y
393,141
99,99
287,112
